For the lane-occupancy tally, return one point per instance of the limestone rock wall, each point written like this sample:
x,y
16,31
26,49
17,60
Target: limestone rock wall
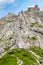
x,y
22,31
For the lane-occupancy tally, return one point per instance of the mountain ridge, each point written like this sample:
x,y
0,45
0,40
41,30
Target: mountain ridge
x,y
22,31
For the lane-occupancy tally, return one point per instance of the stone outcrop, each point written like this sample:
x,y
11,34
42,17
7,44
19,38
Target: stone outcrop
x,y
22,31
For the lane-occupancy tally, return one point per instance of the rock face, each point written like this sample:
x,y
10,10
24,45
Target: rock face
x,y
22,31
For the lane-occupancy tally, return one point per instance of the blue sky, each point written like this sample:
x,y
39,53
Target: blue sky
x,y
15,6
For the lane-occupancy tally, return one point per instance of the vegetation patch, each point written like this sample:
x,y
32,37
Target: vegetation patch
x,y
34,24
37,50
11,57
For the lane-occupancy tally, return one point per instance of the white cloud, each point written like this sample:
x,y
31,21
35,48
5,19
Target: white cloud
x,y
6,1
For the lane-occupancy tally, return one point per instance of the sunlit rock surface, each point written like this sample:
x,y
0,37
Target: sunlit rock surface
x,y
22,31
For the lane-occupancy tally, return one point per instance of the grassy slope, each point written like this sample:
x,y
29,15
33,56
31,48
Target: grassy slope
x,y
28,59
37,50
11,58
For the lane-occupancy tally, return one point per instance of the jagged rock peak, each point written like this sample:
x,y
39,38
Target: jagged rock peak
x,y
21,13
10,15
35,8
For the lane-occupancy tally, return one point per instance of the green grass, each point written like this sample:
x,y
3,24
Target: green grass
x,y
37,50
33,38
9,21
1,40
34,24
11,57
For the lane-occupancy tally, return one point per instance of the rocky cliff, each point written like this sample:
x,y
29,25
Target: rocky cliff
x,y
23,30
